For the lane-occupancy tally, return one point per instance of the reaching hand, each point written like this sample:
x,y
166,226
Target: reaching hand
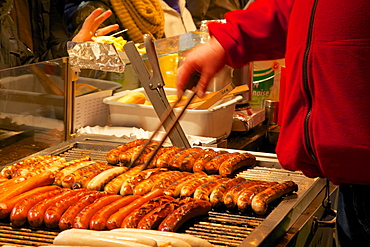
x,y
91,25
207,60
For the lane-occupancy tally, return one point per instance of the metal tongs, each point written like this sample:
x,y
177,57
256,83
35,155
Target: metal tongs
x,y
153,86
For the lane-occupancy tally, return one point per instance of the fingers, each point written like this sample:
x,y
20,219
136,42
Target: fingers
x,y
97,18
91,25
105,30
207,60
183,76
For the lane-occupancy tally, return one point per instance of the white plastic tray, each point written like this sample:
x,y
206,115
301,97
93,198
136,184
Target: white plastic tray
x,y
215,122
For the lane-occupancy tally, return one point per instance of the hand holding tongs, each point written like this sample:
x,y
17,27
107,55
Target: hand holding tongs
x,y
153,86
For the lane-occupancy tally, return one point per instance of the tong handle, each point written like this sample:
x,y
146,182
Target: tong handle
x,y
170,128
157,79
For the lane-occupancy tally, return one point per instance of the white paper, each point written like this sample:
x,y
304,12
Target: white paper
x,y
138,133
90,110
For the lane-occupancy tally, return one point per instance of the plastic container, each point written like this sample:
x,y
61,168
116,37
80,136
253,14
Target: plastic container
x,y
214,122
25,95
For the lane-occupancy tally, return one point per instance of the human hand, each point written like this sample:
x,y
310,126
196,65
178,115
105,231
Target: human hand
x,y
91,25
207,60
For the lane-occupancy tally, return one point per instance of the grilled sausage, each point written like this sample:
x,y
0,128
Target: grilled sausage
x,y
188,162
212,166
67,219
231,196
18,215
55,211
160,151
164,160
189,188
180,156
161,240
217,194
52,164
245,197
192,240
113,155
144,155
156,216
228,167
99,181
127,157
77,174
147,185
46,178
151,220
83,181
73,165
10,170
133,219
175,188
11,182
36,214
114,186
82,220
200,163
167,181
128,186
99,219
7,206
183,213
84,237
261,200
116,219
203,191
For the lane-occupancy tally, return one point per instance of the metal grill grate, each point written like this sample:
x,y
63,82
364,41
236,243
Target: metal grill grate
x,y
224,229
25,236
221,228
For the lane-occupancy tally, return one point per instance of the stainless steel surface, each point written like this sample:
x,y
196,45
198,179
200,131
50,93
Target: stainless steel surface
x,y
164,137
271,109
244,76
153,86
223,227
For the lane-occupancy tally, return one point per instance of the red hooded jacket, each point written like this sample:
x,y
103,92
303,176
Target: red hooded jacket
x,y
326,44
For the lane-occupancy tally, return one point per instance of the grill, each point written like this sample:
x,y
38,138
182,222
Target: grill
x,y
25,236
221,228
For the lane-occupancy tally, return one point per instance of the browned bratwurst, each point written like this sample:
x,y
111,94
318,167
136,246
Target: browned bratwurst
x,y
113,155
261,200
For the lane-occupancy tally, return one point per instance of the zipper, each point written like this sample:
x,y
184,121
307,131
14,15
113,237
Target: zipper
x,y
305,84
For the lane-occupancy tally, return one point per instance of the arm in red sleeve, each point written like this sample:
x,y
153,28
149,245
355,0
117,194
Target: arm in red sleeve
x,y
257,33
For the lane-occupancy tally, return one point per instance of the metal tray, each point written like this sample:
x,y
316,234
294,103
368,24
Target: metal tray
x,y
222,228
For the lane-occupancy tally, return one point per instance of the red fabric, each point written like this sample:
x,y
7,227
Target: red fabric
x,y
338,72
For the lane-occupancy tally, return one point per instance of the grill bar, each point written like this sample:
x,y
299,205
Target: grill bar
x,y
219,228
25,236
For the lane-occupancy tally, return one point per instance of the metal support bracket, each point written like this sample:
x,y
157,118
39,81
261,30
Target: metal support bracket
x,y
153,85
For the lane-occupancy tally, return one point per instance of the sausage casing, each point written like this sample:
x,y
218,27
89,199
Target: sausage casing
x,y
183,213
133,219
228,167
99,219
217,194
261,200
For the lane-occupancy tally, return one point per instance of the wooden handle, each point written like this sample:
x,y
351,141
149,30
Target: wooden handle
x,y
216,97
198,101
48,83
